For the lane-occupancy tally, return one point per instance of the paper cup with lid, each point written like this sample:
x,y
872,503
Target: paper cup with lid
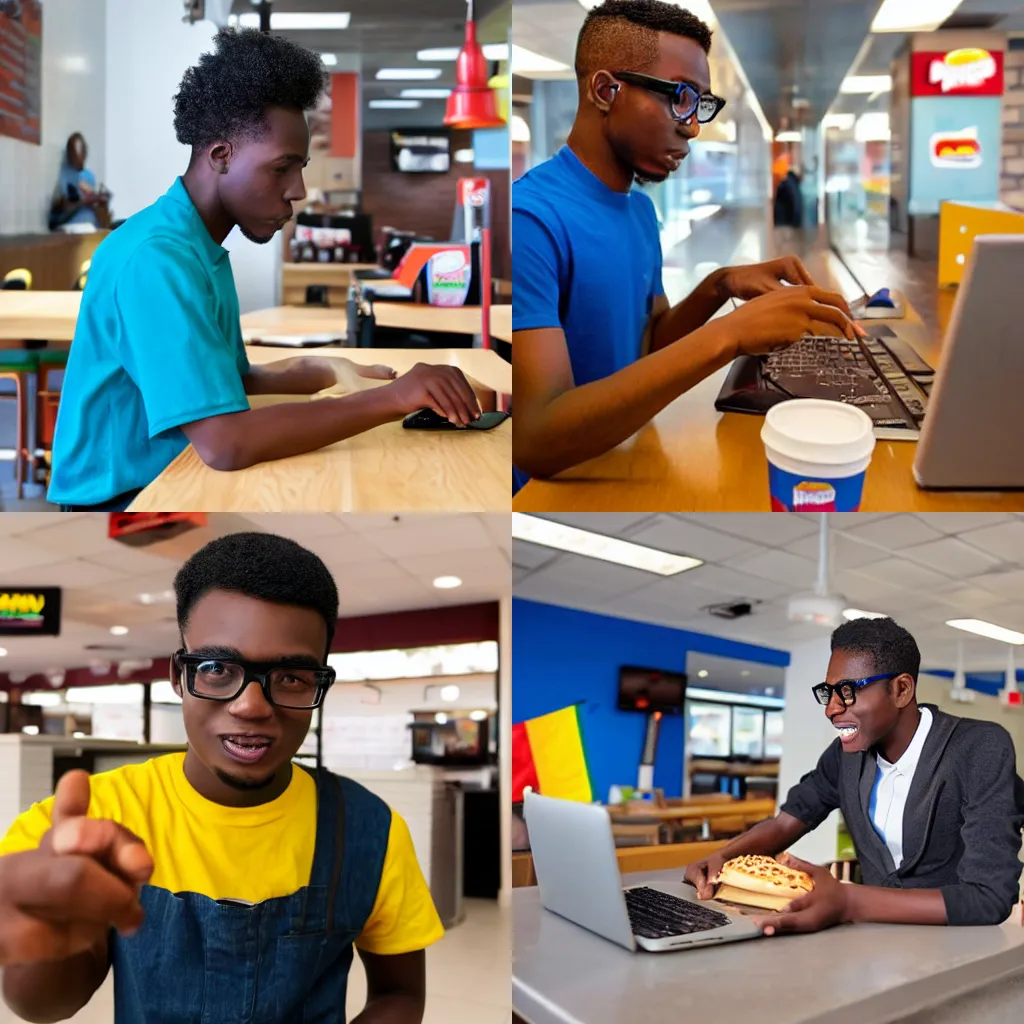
x,y
818,454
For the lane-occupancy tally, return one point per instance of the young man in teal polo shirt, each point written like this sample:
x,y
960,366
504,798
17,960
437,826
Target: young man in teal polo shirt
x,y
157,360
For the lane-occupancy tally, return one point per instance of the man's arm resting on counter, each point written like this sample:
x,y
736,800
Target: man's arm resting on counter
x,y
895,906
296,376
238,440
47,992
668,325
396,988
560,425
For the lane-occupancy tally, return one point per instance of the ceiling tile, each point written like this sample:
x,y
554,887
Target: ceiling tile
x,y
610,524
20,555
952,557
684,537
725,584
964,599
778,566
78,536
533,556
960,522
476,566
593,579
1004,540
895,532
300,528
131,561
74,573
761,527
847,553
1007,585
901,573
847,520
434,533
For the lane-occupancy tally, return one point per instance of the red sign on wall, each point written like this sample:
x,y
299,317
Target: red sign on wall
x,y
965,72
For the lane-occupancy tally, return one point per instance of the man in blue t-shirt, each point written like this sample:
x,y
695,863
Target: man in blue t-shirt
x,y
157,359
597,347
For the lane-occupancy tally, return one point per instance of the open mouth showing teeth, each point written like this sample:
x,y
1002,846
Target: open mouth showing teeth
x,y
846,731
246,748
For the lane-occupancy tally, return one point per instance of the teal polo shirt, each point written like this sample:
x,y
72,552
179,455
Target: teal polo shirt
x,y
158,344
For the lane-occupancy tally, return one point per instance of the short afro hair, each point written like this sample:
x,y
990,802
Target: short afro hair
x,y
227,94
259,565
622,35
891,647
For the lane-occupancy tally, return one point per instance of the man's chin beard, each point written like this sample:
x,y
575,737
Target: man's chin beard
x,y
244,784
256,238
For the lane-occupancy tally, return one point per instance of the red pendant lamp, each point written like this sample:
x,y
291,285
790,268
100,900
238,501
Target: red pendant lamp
x,y
472,103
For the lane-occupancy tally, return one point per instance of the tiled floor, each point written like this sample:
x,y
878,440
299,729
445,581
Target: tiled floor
x,y
468,976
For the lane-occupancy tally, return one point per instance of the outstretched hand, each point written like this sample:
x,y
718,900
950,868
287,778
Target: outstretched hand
x,y
824,906
760,278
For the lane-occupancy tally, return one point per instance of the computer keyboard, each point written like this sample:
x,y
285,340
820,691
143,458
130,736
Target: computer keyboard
x,y
657,915
880,374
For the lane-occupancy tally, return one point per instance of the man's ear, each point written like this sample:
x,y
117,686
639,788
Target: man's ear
x,y
603,90
219,157
904,688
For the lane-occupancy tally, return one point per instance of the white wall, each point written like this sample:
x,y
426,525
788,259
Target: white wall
x,y
807,732
74,53
149,48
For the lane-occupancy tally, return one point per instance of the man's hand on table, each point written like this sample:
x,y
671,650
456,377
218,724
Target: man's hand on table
x,y
703,875
826,905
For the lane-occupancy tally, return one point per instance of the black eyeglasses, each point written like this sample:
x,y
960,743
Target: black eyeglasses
x,y
686,101
846,688
225,679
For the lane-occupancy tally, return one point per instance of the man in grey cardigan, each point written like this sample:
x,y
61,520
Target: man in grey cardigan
x,y
933,802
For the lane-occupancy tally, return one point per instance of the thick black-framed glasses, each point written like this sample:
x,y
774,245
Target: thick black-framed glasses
x,y
846,688
285,685
685,100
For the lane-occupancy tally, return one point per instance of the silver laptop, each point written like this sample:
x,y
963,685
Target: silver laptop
x,y
578,875
972,433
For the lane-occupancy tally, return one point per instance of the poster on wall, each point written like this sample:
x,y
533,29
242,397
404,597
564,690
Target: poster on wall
x,y
21,44
955,151
968,71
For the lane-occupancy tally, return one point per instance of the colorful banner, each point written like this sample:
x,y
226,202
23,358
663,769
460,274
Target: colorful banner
x,y
964,72
548,756
21,47
30,611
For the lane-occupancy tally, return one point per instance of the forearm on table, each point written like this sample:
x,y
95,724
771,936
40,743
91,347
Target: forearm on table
x,y
590,420
692,313
54,991
393,1008
895,906
292,428
767,837
295,376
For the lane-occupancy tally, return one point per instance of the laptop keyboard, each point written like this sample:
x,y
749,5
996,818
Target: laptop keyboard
x,y
657,915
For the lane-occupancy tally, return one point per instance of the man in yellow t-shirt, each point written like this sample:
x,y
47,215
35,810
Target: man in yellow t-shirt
x,y
224,885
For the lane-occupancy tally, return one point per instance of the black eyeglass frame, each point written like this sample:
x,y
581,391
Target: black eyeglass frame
x,y
821,689
675,90
252,671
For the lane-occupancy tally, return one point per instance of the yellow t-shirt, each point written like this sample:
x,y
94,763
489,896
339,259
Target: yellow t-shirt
x,y
243,853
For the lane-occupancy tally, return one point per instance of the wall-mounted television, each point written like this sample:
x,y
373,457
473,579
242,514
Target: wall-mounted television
x,y
651,689
421,150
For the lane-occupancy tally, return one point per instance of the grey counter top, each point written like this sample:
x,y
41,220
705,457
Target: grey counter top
x,y
855,974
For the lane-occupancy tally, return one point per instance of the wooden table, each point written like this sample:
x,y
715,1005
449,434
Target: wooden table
x,y
335,277
691,458
759,809
411,316
384,469
50,316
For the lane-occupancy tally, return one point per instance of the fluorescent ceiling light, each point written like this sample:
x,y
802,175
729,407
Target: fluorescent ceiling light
x,y
478,716
329,59
450,693
866,84
441,718
118,630
492,51
912,15
425,94
872,127
296,22
3,652
788,137
526,62
842,122
988,629
702,8
408,74
858,613
551,534
395,104
520,129
447,582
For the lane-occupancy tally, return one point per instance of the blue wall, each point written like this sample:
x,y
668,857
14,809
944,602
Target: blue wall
x,y
561,656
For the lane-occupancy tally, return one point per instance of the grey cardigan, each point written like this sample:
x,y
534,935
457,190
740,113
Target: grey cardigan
x,y
962,824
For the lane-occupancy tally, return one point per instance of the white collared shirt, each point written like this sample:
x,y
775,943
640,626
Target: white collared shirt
x,y
892,785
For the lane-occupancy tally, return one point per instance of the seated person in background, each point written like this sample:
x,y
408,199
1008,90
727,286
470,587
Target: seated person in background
x,y
225,883
158,359
933,802
598,350
76,200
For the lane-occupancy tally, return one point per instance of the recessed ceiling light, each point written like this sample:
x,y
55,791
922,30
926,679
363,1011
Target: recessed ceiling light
x,y
788,137
551,534
478,716
858,613
745,672
492,51
425,94
702,674
441,718
297,22
329,59
464,156
3,652
447,582
160,597
450,693
408,74
866,84
118,630
912,15
395,104
988,629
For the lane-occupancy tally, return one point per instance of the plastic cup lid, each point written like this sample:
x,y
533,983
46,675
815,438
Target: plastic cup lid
x,y
817,431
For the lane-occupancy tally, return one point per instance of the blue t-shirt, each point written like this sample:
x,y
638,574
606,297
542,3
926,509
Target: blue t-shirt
x,y
587,259
158,344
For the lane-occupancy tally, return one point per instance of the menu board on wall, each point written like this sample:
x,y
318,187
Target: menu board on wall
x,y
21,43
